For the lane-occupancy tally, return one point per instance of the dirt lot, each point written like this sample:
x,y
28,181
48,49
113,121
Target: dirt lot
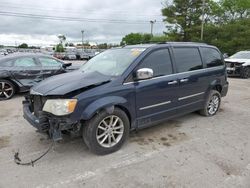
x,y
191,151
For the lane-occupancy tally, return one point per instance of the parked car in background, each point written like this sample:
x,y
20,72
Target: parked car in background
x,y
3,52
81,54
128,88
239,64
91,53
70,56
19,72
59,55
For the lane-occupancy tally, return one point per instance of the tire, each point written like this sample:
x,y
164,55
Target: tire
x,y
211,103
245,72
96,127
7,89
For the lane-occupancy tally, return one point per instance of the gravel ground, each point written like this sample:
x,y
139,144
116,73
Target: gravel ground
x,y
190,151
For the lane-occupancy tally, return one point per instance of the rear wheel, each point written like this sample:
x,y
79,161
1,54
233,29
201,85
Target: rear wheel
x,y
7,89
245,72
212,104
105,133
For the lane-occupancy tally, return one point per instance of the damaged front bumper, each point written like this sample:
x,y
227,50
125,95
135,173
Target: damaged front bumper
x,y
48,123
234,69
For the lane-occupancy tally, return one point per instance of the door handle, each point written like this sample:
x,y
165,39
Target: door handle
x,y
172,82
184,80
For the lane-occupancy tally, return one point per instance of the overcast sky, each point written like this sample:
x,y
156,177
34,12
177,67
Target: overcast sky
x,y
102,21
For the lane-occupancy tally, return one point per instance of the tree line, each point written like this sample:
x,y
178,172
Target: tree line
x,y
226,24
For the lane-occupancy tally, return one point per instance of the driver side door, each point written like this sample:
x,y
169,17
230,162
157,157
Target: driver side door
x,y
27,71
156,97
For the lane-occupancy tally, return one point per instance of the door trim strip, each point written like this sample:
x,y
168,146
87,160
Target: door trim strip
x,y
190,96
155,105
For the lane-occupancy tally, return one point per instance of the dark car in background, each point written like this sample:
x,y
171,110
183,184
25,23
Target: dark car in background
x,y
19,72
128,88
239,64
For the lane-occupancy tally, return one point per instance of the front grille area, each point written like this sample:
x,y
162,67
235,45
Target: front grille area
x,y
229,64
37,103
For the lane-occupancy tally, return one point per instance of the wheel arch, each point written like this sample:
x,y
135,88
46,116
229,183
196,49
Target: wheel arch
x,y
215,85
106,103
17,88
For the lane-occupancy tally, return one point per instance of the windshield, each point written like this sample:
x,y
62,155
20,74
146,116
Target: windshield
x,y
112,62
241,55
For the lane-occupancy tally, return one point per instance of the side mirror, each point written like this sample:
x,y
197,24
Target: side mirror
x,y
144,73
65,65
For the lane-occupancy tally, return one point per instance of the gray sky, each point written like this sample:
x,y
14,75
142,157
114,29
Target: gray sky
x,y
103,21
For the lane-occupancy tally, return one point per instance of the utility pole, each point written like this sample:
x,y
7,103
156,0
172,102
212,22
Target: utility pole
x,y
152,25
82,39
202,19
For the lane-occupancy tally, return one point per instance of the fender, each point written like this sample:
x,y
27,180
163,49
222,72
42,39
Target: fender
x,y
4,74
7,75
246,64
214,83
105,102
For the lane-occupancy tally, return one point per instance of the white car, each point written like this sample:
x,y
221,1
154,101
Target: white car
x,y
239,64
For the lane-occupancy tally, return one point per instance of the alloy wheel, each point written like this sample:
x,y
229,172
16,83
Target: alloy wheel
x,y
213,105
6,90
110,131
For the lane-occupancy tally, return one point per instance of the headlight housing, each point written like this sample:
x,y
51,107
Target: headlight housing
x,y
60,107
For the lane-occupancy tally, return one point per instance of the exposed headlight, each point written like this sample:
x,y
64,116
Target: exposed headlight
x,y
60,107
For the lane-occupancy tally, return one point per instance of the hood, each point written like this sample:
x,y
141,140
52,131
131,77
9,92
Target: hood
x,y
237,60
68,82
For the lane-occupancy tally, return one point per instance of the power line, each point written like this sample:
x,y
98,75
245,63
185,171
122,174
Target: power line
x,y
113,12
63,18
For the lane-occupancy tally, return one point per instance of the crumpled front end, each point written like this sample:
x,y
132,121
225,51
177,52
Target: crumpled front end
x,y
46,122
233,68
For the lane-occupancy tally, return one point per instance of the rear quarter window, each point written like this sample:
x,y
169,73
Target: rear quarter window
x,y
211,57
187,59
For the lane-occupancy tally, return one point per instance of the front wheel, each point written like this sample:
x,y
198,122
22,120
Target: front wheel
x,y
105,133
212,104
245,72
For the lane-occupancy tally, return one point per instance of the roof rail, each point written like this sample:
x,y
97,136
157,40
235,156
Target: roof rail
x,y
169,42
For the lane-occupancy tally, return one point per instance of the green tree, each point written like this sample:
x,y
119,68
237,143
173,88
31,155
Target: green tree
x,y
59,48
136,38
182,16
230,37
103,46
132,38
23,45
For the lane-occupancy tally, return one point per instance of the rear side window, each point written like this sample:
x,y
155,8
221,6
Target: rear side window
x,y
212,57
159,61
48,62
187,59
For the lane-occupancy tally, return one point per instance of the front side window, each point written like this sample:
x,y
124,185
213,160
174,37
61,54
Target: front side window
x,y
159,61
112,62
212,57
25,62
49,62
187,59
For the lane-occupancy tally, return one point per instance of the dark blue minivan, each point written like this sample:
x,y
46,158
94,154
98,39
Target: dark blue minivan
x,y
128,88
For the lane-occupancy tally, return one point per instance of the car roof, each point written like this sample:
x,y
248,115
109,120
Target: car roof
x,y
20,55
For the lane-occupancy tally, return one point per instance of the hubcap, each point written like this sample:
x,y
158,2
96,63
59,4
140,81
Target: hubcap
x,y
6,90
213,105
110,131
